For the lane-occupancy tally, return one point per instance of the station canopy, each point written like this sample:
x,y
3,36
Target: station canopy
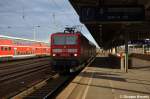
x,y
112,21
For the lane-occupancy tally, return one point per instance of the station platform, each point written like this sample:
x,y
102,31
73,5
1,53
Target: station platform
x,y
96,82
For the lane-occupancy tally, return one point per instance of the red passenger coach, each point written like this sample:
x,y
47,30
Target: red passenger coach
x,y
6,48
69,50
17,48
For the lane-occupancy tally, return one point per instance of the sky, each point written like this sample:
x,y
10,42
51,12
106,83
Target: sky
x,y
23,18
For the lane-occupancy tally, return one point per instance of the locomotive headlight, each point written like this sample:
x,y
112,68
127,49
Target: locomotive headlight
x,y
54,54
75,54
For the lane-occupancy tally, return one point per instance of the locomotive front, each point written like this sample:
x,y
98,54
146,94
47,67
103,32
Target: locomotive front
x,y
65,49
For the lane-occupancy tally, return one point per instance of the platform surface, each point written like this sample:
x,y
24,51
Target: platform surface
x,y
105,83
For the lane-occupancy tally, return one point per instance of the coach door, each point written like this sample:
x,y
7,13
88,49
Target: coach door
x,y
15,51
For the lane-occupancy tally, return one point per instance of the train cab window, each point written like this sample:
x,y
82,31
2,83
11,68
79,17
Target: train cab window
x,y
68,40
71,40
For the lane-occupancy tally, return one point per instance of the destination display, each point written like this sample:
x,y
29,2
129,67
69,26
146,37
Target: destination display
x,y
112,13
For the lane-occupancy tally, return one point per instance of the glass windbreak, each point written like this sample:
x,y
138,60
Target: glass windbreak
x,y
65,40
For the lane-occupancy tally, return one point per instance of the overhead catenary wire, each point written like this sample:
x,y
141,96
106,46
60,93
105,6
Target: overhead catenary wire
x,y
24,15
23,12
60,8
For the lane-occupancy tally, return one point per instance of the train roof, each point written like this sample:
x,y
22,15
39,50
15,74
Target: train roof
x,y
16,38
66,33
78,33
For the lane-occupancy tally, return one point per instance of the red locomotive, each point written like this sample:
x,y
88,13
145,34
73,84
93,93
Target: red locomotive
x,y
69,50
16,48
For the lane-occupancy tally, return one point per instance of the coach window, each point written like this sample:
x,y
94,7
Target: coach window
x,y
9,48
18,53
6,48
1,48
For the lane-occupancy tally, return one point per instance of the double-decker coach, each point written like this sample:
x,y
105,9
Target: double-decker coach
x,y
70,49
12,48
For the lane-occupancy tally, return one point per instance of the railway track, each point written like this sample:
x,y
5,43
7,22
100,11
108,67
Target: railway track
x,y
19,68
8,65
52,87
28,71
16,74
19,79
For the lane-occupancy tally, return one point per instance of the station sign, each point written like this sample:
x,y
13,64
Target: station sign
x,y
112,13
140,42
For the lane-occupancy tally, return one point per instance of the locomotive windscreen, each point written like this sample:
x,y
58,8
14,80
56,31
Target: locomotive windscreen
x,y
65,40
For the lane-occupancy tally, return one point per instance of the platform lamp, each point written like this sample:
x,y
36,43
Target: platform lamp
x,y
34,31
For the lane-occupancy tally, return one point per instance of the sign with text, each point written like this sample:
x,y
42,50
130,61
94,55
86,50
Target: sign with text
x,y
112,13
